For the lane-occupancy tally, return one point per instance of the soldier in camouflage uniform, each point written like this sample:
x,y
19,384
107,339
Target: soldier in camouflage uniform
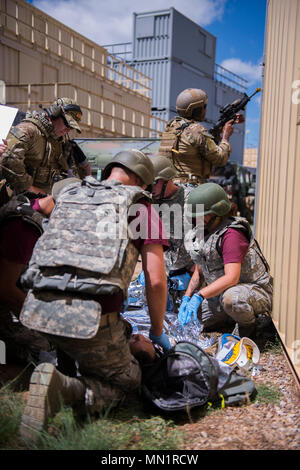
x,y
238,283
169,199
78,278
36,157
188,144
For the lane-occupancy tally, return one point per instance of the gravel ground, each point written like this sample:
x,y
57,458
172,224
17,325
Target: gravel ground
x,y
258,426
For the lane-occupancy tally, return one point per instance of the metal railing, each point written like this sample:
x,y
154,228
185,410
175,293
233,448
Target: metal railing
x,y
42,31
221,74
122,51
108,118
230,79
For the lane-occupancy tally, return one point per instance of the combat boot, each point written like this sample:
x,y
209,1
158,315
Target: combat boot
x,y
48,391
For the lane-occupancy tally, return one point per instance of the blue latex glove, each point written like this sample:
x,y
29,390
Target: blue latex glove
x,y
141,279
183,281
161,340
181,312
191,309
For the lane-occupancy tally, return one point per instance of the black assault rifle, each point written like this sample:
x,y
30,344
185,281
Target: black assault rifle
x,y
229,112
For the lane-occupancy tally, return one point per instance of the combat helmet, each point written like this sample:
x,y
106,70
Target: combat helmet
x,y
189,100
164,170
208,198
68,109
135,161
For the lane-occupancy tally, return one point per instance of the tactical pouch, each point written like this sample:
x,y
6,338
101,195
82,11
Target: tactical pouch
x,y
42,176
57,314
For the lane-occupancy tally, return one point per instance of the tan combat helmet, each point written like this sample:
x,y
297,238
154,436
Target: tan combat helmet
x,y
135,161
189,100
164,170
69,110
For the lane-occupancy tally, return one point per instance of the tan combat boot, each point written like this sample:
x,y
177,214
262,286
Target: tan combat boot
x,y
48,390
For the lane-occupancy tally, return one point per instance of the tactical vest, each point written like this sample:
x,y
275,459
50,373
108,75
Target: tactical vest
x,y
177,145
206,252
85,252
19,208
176,257
51,164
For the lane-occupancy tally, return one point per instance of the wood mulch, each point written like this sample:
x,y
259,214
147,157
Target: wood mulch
x,y
256,426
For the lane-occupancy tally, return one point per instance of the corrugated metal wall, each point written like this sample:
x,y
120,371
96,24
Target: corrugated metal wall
x,y
159,70
42,59
278,194
152,35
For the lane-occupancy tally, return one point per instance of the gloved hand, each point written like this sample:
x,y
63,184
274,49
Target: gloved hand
x,y
191,309
141,278
181,312
161,340
181,280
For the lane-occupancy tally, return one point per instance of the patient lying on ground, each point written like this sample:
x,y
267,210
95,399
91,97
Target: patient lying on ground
x,y
142,349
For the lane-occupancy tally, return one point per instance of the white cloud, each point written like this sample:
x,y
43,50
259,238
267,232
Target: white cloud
x,y
110,21
247,70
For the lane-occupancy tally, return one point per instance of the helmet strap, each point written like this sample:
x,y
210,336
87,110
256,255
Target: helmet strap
x,y
161,195
163,190
208,227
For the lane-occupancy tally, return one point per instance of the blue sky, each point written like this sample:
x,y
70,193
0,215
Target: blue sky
x,y
240,37
237,24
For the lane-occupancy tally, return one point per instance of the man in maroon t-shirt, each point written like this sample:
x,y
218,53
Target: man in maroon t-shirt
x,y
238,285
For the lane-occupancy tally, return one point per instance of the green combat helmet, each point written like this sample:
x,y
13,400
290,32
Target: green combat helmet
x,y
208,198
135,161
189,100
164,170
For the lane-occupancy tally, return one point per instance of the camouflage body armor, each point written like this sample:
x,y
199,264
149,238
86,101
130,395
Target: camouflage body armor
x,y
206,253
192,150
19,208
72,264
176,258
34,156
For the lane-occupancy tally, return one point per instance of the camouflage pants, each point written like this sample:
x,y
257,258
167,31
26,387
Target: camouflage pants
x,y
239,304
22,344
105,362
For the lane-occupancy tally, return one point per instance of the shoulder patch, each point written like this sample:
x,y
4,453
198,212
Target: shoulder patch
x,y
17,132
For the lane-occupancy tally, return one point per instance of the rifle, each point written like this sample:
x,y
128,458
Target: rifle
x,y
229,112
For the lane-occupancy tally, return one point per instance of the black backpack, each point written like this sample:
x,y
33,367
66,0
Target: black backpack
x,y
186,377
